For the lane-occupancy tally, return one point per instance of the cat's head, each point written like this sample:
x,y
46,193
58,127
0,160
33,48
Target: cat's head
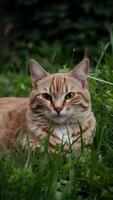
x,y
60,97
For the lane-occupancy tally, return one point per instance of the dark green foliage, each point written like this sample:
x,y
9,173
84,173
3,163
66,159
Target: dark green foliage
x,y
26,24
70,21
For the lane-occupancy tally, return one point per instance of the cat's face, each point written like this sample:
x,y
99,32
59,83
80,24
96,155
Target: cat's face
x,y
59,97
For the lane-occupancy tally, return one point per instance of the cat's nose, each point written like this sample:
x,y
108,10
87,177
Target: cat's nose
x,y
58,109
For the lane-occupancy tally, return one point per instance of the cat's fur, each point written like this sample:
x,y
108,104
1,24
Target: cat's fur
x,y
59,100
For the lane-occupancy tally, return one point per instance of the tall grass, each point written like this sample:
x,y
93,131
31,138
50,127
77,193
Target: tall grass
x,y
37,175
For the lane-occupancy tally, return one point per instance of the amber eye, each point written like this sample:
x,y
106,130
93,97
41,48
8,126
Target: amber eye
x,y
47,96
69,95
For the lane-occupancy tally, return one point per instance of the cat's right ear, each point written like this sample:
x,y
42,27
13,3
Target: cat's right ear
x,y
37,72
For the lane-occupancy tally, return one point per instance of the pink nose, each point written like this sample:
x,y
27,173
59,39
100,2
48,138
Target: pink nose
x,y
58,109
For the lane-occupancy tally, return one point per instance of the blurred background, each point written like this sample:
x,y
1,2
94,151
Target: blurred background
x,y
53,30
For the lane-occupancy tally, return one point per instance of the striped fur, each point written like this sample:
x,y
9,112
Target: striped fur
x,y
74,112
61,101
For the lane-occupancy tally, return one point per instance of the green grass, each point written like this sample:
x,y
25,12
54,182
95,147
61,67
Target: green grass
x,y
35,175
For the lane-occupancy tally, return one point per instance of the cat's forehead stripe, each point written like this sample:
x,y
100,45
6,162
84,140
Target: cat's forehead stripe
x,y
58,84
51,85
65,83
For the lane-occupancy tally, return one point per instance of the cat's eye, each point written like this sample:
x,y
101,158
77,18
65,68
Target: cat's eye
x,y
47,96
69,95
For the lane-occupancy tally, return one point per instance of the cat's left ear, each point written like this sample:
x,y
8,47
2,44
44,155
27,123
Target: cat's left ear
x,y
37,72
81,71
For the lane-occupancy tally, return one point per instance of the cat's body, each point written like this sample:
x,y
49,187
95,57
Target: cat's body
x,y
59,101
12,118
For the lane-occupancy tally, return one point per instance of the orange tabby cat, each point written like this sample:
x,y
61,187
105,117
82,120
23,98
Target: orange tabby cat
x,y
62,100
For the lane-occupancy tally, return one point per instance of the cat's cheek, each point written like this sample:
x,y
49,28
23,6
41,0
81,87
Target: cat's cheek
x,y
33,105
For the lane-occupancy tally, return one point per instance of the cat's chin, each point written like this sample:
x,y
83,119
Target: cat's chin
x,y
59,119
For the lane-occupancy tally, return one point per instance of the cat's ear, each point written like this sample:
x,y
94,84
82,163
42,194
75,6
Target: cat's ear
x,y
81,71
37,72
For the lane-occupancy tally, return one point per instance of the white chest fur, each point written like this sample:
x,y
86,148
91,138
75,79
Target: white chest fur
x,y
64,133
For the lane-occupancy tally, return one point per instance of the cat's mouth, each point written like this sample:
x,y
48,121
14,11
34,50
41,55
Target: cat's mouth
x,y
59,118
